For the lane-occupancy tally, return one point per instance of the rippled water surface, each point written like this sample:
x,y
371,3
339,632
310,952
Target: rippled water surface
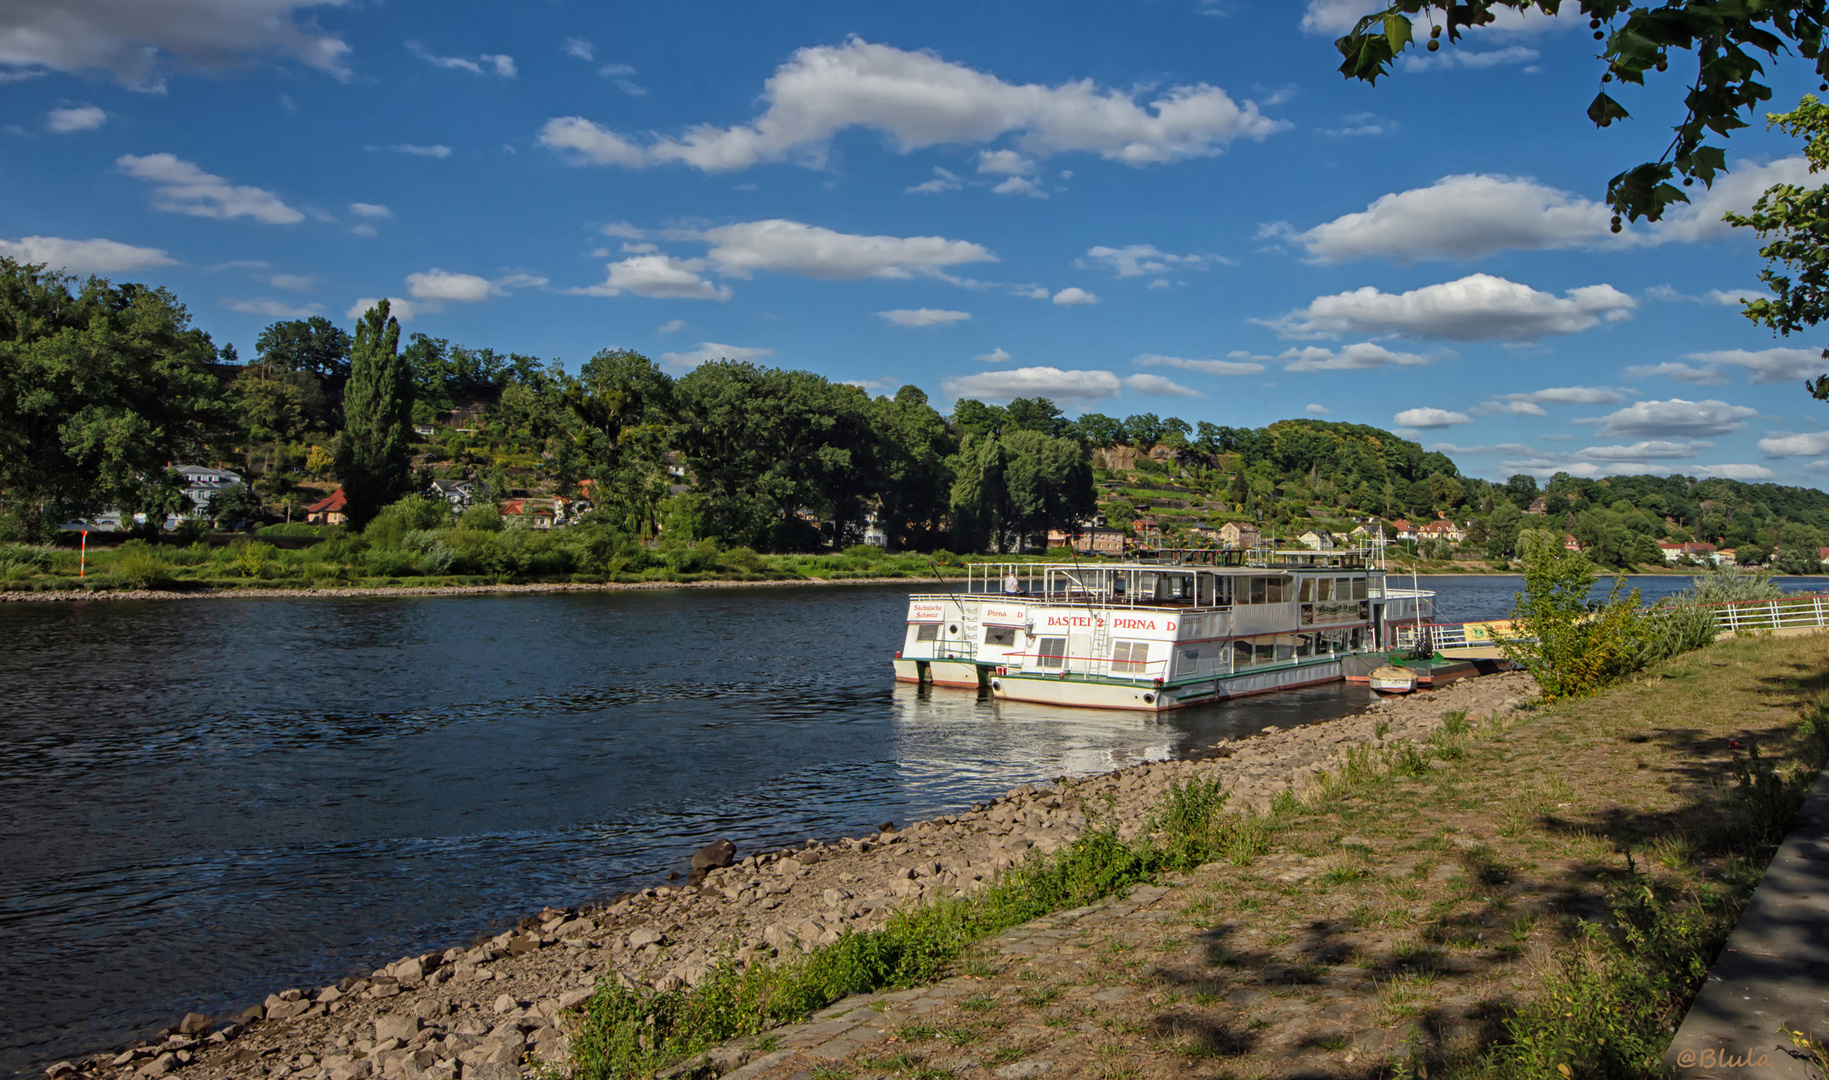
x,y
203,801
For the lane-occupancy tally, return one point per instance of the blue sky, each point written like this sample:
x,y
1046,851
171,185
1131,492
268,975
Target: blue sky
x,y
1174,206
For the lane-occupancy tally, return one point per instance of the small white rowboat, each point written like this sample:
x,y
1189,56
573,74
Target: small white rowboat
x,y
1391,679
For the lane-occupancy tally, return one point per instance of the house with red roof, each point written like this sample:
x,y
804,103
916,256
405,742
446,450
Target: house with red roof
x,y
331,510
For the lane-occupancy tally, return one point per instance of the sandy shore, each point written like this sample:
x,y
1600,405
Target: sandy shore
x,y
493,1010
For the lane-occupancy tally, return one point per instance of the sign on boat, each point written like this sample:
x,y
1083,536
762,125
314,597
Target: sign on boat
x,y
1186,628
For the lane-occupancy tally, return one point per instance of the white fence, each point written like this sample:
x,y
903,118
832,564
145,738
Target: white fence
x,y
1801,612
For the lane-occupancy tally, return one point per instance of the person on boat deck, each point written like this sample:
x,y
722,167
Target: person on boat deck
x,y
1011,586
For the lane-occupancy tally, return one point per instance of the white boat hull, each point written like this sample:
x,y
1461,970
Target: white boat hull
x,y
1143,697
959,673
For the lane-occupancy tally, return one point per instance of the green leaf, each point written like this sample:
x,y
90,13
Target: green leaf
x,y
1396,32
1603,110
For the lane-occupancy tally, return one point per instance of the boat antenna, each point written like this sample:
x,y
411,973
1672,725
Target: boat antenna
x,y
1079,576
945,586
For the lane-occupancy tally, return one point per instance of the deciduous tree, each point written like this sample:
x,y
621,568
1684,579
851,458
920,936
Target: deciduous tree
x,y
376,447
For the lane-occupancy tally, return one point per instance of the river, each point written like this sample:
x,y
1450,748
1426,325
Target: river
x,y
203,801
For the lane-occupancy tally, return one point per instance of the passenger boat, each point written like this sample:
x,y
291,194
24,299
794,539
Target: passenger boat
x,y
1186,628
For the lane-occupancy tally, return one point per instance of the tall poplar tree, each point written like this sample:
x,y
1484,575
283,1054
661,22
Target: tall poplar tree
x,y
373,455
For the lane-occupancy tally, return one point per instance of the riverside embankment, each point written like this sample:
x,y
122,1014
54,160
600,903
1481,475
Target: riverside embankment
x,y
495,1008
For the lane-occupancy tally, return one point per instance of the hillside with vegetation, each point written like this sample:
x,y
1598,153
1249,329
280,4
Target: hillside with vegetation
x,y
104,388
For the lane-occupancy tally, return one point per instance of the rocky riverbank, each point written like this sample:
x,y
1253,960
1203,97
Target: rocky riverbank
x,y
501,1007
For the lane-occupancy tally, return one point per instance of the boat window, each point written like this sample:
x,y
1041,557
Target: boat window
x,y
1146,586
1129,657
1323,589
1000,635
1285,646
1359,592
1187,662
1308,590
1264,648
1050,652
1257,591
1241,654
927,631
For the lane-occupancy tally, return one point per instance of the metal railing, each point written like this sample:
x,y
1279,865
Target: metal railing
x,y
1805,612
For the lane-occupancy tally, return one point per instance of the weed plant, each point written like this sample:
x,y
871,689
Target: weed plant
x,y
629,1033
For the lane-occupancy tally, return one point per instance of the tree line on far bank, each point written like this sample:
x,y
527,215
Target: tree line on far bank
x,y
102,386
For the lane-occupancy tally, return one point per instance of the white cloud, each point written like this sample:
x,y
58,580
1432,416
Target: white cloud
x,y
920,100
942,181
1209,367
1359,356
1527,404
1136,260
1158,385
1736,472
1049,382
1460,217
293,282
1676,418
1004,163
1644,451
624,230
133,40
580,48
272,309
75,118
83,256
1020,185
1514,408
440,285
1496,448
404,310
1771,367
370,210
486,64
1696,376
186,189
584,143
1456,56
1073,294
1317,410
1031,292
618,74
671,326
1809,444
444,285
416,150
924,316
1732,297
1479,307
995,356
1428,418
1361,124
1700,219
659,277
363,228
709,351
793,247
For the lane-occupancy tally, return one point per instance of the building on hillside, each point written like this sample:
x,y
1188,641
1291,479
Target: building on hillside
x,y
1822,555
1366,533
1240,534
1726,557
1405,530
1146,528
1089,540
456,492
328,510
1569,543
874,534
1539,505
1441,529
1317,540
200,482
1674,552
537,514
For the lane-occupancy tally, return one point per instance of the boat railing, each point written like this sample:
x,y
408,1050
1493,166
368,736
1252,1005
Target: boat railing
x,y
1804,611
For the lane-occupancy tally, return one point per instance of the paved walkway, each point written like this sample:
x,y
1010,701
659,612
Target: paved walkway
x,y
1773,976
